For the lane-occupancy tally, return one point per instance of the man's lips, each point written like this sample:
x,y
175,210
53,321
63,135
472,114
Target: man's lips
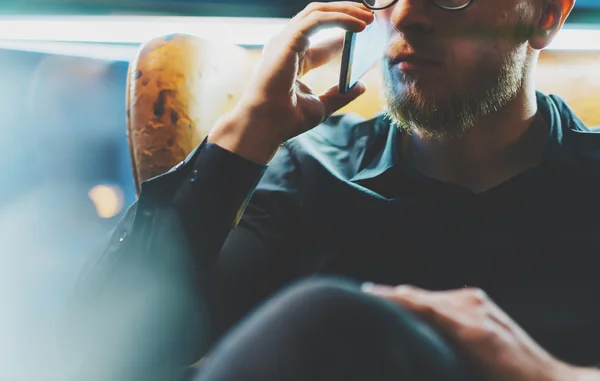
x,y
411,60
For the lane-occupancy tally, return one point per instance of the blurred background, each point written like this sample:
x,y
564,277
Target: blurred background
x,y
65,169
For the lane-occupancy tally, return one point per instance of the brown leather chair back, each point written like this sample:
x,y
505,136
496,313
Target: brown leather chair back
x,y
177,88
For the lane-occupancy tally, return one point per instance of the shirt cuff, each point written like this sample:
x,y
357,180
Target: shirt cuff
x,y
216,189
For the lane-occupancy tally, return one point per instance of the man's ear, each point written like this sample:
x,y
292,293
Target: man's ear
x,y
551,19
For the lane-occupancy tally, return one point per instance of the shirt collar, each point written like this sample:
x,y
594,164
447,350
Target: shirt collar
x,y
387,158
569,142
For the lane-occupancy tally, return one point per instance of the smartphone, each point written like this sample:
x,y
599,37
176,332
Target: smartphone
x,y
361,52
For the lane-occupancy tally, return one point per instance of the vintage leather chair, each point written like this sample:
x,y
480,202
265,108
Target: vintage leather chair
x,y
179,85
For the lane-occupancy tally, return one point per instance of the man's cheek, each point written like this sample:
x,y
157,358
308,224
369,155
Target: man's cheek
x,y
465,60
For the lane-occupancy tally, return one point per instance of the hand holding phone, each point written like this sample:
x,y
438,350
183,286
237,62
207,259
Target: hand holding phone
x,y
361,52
276,104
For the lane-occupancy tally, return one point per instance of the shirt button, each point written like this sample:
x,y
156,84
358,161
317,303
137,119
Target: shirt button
x,y
123,236
194,176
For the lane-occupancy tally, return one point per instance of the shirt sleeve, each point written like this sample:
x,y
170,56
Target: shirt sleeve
x,y
181,267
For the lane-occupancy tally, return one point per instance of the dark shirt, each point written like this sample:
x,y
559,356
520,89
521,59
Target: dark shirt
x,y
339,200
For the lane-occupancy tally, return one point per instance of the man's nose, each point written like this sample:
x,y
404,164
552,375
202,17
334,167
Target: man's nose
x,y
411,16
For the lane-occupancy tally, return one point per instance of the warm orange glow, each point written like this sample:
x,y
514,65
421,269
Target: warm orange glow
x,y
108,200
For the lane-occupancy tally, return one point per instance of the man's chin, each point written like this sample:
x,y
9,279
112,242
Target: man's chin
x,y
427,115
416,103
421,94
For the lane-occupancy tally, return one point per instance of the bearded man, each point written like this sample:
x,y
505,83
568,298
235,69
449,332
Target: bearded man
x,y
469,204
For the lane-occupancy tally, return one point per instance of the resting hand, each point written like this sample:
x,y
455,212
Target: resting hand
x,y
502,349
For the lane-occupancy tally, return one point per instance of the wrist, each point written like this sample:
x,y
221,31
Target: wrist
x,y
586,374
566,372
246,134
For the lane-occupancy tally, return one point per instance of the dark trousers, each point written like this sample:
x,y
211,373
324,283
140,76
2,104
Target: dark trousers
x,y
327,329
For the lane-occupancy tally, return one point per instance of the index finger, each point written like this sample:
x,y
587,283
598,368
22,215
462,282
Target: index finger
x,y
439,308
302,28
349,7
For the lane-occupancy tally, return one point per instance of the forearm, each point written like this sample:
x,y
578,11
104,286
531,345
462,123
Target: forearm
x,y
248,133
212,197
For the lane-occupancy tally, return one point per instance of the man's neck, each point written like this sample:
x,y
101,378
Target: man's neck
x,y
498,147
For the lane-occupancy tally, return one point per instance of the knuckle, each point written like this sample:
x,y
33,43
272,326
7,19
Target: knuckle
x,y
314,6
311,7
477,296
406,288
409,291
316,16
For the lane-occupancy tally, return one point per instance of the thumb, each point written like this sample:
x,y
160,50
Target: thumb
x,y
334,100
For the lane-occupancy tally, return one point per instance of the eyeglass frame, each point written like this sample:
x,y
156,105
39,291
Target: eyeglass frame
x,y
462,7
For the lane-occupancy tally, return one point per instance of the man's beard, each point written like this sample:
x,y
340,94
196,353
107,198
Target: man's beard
x,y
485,91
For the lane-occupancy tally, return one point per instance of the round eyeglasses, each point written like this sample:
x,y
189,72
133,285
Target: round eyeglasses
x,y
448,5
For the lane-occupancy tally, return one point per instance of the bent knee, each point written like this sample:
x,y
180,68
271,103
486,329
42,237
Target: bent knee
x,y
318,286
320,291
327,298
